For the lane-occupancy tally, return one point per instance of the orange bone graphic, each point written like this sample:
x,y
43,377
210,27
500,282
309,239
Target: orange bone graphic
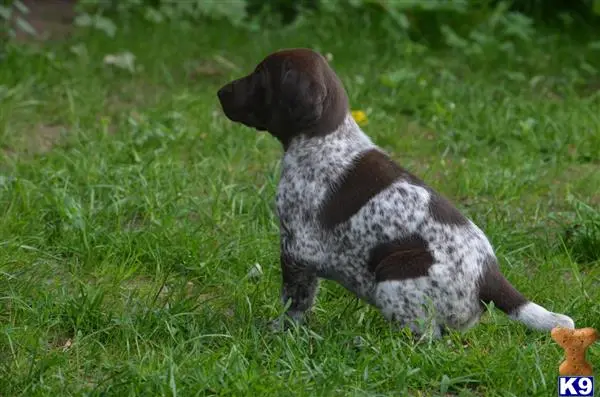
x,y
575,342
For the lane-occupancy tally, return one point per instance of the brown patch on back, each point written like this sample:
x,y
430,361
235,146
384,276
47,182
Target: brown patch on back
x,y
401,259
444,212
494,287
370,174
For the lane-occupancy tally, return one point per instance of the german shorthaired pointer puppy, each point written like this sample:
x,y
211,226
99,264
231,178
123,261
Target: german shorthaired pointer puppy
x,y
349,213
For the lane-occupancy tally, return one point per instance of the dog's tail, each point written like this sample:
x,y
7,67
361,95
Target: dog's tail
x,y
494,287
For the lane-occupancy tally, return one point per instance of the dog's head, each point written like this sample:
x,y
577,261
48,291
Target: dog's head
x,y
291,92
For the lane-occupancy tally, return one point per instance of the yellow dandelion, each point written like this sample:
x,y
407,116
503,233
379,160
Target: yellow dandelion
x,y
360,117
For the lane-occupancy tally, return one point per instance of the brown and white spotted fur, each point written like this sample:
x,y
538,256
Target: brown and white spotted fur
x,y
349,213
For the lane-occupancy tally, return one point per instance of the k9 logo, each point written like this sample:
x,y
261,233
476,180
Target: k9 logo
x,y
575,386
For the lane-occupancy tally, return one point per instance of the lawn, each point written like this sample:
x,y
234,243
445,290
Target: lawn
x,y
133,214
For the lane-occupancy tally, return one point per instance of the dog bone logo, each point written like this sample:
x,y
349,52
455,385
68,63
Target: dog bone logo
x,y
575,343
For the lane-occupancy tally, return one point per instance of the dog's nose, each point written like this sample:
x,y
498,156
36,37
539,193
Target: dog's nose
x,y
225,91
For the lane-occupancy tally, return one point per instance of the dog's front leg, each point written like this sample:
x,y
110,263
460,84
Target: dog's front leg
x,y
299,288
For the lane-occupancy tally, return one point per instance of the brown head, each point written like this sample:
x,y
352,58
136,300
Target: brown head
x,y
290,93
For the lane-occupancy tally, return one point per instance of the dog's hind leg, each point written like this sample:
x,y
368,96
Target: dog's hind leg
x,y
408,307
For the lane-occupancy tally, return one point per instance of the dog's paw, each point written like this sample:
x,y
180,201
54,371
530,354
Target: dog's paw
x,y
277,325
286,321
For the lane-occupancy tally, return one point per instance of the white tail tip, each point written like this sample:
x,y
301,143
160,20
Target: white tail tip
x,y
536,317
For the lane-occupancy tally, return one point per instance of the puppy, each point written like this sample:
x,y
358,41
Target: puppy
x,y
349,213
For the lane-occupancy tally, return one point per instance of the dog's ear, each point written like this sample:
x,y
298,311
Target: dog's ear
x,y
302,96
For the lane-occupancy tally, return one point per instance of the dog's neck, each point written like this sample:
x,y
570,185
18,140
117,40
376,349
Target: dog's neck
x,y
325,154
347,135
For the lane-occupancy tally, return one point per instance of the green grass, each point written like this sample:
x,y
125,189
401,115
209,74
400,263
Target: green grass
x,y
132,212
